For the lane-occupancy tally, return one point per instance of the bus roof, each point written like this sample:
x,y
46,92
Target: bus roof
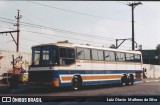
x,y
68,44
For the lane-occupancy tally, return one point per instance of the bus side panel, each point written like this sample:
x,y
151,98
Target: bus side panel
x,y
92,78
98,67
121,66
131,66
86,66
110,67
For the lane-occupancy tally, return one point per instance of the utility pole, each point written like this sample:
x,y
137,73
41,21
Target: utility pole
x,y
18,30
133,5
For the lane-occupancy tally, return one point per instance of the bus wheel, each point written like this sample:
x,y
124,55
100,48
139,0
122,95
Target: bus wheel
x,y
76,83
123,81
130,80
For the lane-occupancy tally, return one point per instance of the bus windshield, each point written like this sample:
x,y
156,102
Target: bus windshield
x,y
44,56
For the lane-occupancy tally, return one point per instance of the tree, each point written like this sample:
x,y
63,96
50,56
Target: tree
x,y
158,53
112,46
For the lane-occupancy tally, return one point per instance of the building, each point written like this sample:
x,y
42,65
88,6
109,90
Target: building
x,y
150,57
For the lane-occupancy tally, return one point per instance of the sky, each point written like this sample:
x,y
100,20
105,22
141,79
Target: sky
x,y
98,23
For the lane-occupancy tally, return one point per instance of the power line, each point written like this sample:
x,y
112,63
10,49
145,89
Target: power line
x,y
6,22
7,19
31,40
60,36
68,32
74,11
57,36
41,27
58,30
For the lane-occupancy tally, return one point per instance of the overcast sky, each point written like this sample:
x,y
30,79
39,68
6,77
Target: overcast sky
x,y
97,23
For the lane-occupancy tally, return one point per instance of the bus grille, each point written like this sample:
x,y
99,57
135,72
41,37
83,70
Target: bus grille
x,y
40,76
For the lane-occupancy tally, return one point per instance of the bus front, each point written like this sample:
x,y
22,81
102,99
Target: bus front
x,y
44,66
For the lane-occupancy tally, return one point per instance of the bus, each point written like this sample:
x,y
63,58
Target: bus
x,y
67,64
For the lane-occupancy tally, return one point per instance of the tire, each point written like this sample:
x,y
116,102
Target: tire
x,y
76,83
131,80
123,80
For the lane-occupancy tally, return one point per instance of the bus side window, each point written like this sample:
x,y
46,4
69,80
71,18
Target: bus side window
x,y
100,55
118,56
62,55
70,56
137,58
87,54
112,56
107,55
94,54
80,53
63,52
123,58
70,53
129,57
66,56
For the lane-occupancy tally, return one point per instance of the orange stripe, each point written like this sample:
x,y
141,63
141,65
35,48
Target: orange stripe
x,y
55,83
92,77
66,78
100,77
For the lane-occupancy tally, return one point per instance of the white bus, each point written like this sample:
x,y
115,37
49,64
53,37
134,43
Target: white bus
x,y
67,64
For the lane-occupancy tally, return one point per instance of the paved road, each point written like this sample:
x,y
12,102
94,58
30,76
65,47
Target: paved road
x,y
147,88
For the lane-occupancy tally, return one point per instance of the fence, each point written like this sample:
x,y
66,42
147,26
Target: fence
x,y
153,71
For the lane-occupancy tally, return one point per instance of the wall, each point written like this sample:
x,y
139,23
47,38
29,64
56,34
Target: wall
x,y
21,60
153,71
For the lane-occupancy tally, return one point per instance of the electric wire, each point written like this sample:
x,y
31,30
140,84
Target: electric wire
x,y
66,10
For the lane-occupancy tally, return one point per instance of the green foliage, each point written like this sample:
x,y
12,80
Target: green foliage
x,y
112,46
158,53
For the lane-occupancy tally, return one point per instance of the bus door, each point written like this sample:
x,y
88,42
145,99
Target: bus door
x,y
84,64
67,60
